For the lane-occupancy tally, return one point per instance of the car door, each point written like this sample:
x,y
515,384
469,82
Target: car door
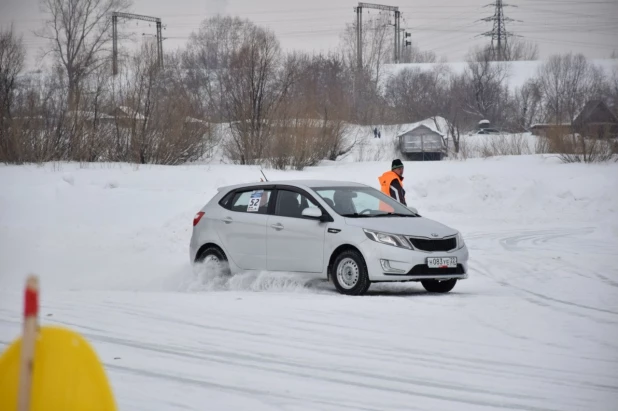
x,y
294,243
242,228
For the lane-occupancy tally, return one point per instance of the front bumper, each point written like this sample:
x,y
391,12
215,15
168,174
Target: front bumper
x,y
388,263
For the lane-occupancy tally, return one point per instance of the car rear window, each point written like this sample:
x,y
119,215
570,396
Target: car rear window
x,y
252,201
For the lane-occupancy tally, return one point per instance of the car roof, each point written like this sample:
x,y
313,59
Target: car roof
x,y
297,183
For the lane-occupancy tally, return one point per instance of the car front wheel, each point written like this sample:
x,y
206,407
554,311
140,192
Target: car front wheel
x,y
437,286
349,273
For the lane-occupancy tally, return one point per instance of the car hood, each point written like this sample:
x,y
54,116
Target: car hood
x,y
413,226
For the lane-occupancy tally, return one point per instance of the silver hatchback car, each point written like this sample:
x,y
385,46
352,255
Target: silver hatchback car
x,y
349,233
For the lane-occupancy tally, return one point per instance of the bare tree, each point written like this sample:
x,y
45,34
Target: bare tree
x,y
39,126
311,124
413,54
414,94
567,82
12,55
377,45
79,35
487,92
518,50
526,105
613,90
251,90
459,120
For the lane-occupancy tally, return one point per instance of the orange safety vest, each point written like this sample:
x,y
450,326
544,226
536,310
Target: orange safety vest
x,y
385,186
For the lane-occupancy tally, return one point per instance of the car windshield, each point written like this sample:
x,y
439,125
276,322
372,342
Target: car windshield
x,y
359,202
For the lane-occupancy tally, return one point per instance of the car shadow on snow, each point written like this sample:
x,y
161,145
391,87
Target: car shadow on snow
x,y
403,289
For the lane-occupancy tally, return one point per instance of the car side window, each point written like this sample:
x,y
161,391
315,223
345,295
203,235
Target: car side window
x,y
252,201
292,204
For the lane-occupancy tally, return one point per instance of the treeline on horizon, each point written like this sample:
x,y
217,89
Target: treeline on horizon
x,y
233,86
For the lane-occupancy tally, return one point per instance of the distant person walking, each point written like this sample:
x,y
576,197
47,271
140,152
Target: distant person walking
x,y
375,132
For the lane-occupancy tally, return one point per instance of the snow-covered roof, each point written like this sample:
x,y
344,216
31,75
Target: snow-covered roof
x,y
130,112
428,123
549,124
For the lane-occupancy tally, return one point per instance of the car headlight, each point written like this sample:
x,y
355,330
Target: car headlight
x,y
388,238
460,241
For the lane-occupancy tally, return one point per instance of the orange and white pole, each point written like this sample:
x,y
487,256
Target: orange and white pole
x,y
28,343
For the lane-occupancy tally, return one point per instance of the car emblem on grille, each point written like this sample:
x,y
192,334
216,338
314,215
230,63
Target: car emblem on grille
x,y
434,234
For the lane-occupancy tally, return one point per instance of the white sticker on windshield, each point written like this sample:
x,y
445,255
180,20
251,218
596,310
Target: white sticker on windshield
x,y
254,201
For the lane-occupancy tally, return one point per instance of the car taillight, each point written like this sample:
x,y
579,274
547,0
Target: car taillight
x,y
197,218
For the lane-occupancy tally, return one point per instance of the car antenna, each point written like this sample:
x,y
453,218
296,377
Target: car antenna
x,y
263,174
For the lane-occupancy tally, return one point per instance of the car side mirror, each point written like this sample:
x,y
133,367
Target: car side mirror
x,y
312,212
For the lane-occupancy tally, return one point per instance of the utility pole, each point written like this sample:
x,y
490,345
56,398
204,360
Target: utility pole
x,y
397,36
406,42
130,16
499,35
359,29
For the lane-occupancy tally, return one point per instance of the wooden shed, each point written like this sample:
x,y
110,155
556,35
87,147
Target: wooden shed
x,y
422,143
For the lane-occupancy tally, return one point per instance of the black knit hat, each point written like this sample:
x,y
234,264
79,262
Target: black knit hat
x,y
396,164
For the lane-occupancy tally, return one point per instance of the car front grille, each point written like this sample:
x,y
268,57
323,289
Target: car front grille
x,y
434,245
423,269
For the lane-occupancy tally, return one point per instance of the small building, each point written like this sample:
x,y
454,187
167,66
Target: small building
x,y
596,119
422,143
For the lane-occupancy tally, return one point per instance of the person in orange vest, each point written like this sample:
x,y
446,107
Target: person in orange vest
x,y
391,184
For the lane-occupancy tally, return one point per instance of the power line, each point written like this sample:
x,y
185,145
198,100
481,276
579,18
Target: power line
x,y
499,35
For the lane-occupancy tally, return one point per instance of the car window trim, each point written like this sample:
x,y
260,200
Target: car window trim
x,y
386,197
232,194
301,191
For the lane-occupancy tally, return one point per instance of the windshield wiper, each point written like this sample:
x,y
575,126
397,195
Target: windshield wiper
x,y
395,215
355,215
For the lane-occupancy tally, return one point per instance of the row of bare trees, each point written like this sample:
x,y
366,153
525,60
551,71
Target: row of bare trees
x,y
555,95
233,87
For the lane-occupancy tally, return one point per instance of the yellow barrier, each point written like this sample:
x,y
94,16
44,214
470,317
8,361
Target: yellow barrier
x,y
51,368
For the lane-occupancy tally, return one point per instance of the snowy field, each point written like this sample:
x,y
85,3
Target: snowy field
x,y
535,327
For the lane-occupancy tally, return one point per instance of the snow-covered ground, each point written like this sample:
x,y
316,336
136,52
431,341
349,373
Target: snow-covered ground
x,y
535,327
365,146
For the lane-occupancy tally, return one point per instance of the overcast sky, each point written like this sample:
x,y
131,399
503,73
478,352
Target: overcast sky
x,y
447,27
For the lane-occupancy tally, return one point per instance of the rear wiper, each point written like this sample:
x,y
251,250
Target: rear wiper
x,y
395,215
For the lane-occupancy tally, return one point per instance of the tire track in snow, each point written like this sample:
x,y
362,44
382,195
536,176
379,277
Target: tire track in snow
x,y
513,242
230,388
501,403
431,359
538,299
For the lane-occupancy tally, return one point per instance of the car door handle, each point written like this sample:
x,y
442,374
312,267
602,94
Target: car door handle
x,y
227,220
277,226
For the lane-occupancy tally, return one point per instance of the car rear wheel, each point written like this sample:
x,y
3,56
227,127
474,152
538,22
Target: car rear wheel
x,y
214,261
439,286
349,273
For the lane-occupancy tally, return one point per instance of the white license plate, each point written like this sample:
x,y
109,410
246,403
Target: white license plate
x,y
442,262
